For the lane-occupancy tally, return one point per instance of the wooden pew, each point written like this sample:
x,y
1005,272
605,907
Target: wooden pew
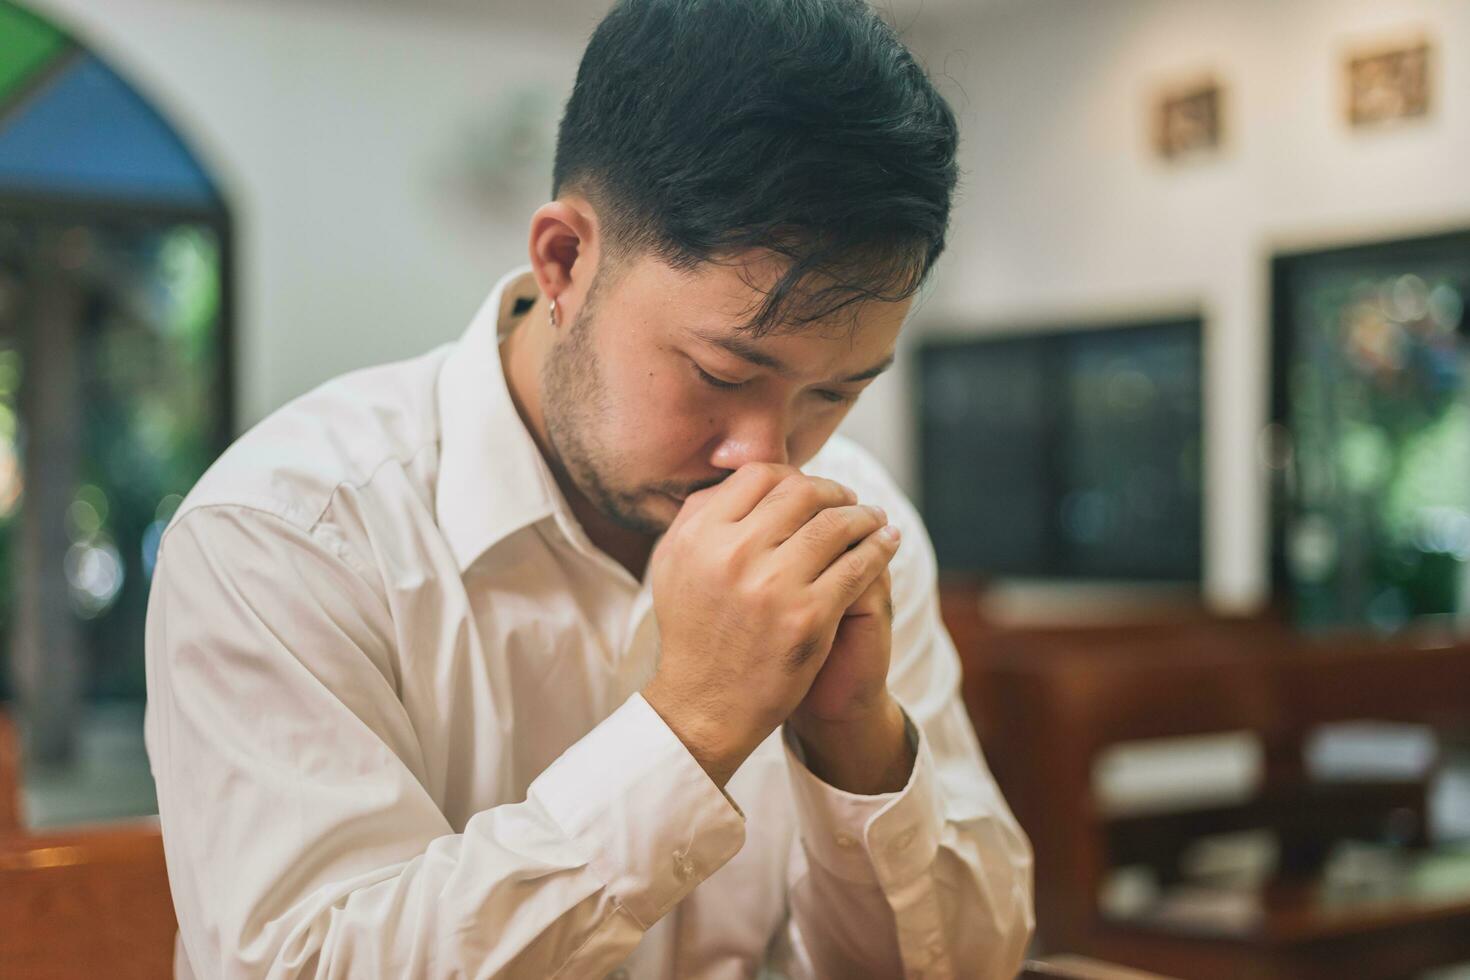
x,y
86,903
1081,968
81,903
10,822
1053,704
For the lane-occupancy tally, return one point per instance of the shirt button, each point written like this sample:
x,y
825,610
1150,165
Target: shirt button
x,y
903,840
683,867
846,840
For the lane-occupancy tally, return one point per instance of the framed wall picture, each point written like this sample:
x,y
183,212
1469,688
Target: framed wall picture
x,y
1388,81
1188,120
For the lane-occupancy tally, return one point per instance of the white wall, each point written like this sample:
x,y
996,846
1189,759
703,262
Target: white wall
x,y
334,129
332,126
1066,214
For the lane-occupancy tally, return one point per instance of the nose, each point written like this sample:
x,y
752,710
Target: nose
x,y
756,437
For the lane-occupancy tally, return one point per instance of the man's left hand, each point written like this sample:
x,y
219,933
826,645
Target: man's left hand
x,y
850,727
853,683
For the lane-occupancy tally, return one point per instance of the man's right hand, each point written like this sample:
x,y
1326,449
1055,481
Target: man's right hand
x,y
749,584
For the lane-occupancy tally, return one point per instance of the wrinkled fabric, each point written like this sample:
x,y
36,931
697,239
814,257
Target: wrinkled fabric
x,y
395,725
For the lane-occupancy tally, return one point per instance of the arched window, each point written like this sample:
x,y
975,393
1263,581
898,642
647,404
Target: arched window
x,y
115,380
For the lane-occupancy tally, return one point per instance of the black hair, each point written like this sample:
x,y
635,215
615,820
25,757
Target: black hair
x,y
700,129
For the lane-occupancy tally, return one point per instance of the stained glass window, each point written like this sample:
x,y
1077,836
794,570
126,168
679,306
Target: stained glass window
x,y
114,367
1373,387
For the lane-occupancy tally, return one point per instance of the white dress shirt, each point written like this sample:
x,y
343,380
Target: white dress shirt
x,y
395,725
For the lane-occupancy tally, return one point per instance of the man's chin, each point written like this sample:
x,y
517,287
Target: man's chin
x,y
649,513
665,507
658,509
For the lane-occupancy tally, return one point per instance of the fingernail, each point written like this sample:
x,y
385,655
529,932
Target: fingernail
x,y
851,496
889,533
879,513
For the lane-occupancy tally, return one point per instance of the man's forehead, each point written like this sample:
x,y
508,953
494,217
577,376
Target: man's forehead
x,y
743,286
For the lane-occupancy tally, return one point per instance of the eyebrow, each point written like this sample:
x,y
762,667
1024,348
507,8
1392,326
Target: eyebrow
x,y
745,350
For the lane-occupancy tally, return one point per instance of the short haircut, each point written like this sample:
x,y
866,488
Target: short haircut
x,y
702,129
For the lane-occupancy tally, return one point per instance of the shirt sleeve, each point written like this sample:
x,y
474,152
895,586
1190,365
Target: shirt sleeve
x,y
933,881
300,837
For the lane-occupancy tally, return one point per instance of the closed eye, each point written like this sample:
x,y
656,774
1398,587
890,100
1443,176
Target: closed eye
x,y
713,381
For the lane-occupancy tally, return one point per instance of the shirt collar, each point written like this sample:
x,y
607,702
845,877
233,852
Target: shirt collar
x,y
492,479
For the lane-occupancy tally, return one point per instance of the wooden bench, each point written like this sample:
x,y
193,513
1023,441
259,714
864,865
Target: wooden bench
x,y
80,903
1052,705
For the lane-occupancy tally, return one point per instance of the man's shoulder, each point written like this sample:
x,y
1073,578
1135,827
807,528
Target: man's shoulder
x,y
342,433
845,461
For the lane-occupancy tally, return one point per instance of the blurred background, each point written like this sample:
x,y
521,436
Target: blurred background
x,y
1186,405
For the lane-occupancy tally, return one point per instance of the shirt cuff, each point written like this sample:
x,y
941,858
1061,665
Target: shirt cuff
x,y
650,820
887,839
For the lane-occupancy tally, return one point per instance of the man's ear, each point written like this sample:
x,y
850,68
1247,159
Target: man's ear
x,y
564,253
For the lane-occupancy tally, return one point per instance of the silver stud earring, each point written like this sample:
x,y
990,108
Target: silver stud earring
x,y
553,313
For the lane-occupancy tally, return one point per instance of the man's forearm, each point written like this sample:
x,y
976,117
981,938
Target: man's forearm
x,y
867,756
